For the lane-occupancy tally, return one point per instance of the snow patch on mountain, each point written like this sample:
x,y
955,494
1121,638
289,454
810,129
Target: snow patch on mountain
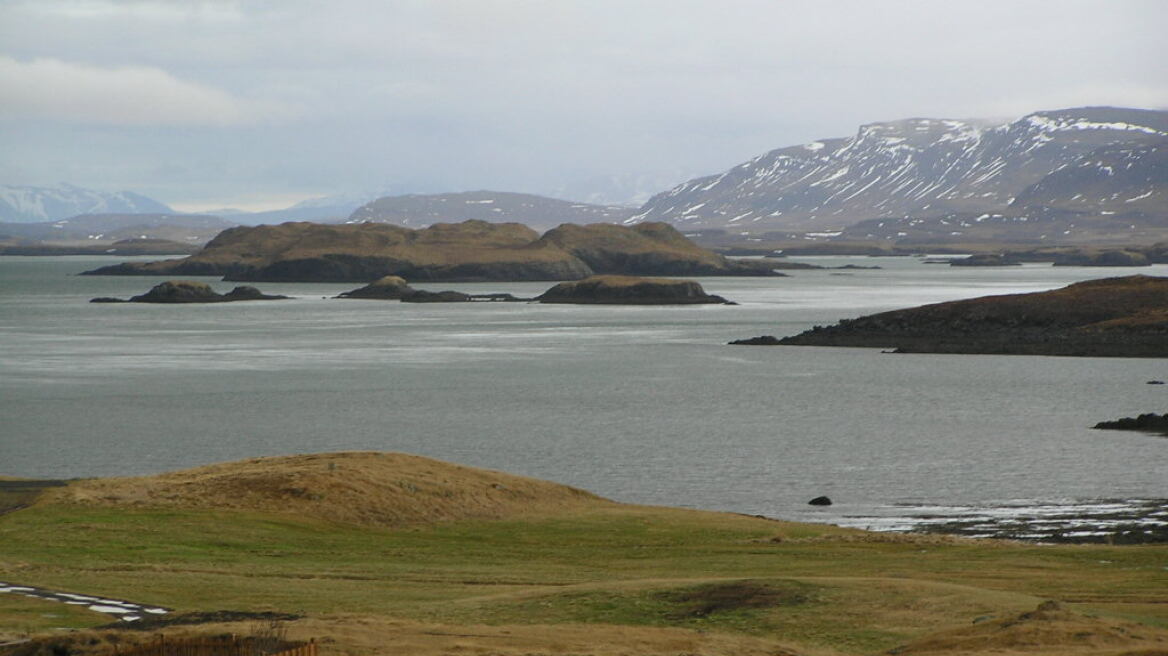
x,y
911,167
29,204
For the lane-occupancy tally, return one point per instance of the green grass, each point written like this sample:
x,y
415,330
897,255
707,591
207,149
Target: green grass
x,y
25,615
626,565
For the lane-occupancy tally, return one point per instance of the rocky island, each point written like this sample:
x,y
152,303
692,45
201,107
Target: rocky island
x,y
1145,423
186,291
395,288
1111,317
629,290
468,251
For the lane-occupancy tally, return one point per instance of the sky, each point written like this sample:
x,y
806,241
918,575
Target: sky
x,y
257,105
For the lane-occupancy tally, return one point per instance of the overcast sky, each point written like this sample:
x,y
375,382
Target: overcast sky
x,y
260,104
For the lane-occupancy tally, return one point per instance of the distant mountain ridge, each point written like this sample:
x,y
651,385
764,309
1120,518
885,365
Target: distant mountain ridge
x,y
538,212
925,168
185,228
28,204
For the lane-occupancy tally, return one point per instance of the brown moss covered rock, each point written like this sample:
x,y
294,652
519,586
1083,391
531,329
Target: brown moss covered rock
x,y
385,288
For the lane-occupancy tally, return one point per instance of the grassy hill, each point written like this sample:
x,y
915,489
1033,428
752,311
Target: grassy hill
x,y
377,550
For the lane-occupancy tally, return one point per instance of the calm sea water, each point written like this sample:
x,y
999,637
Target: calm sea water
x,y
639,404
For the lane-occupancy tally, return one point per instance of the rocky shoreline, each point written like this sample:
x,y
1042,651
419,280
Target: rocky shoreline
x,y
1092,521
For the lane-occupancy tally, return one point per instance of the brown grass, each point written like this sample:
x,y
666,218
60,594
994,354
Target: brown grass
x,y
353,635
1049,629
371,489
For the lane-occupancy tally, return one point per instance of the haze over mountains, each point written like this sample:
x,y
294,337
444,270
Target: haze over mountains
x,y
537,212
25,204
1080,174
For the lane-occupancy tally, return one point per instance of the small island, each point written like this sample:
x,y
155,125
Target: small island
x,y
395,288
630,290
1111,317
187,291
612,290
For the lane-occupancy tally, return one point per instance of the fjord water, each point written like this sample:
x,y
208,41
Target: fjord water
x,y
639,404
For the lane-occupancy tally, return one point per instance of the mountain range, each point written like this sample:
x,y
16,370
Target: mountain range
x,y
1084,163
1080,175
106,228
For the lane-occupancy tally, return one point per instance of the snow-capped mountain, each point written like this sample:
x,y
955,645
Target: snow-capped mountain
x,y
539,212
23,204
922,167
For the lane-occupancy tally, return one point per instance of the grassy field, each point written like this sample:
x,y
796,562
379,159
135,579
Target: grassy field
x,y
588,576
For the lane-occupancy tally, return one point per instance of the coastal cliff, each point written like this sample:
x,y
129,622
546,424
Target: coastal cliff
x,y
1111,317
467,251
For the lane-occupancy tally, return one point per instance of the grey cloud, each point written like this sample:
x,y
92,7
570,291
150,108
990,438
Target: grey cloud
x,y
533,94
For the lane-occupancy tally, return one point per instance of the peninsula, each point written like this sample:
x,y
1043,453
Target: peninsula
x,y
1110,317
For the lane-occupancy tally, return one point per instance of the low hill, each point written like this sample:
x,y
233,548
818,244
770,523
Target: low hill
x,y
369,489
1122,317
539,212
648,247
468,251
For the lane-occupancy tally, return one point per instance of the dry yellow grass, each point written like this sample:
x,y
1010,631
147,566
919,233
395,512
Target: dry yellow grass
x,y
366,488
1043,632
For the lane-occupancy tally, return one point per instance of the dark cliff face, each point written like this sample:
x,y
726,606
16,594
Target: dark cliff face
x,y
1124,317
469,251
